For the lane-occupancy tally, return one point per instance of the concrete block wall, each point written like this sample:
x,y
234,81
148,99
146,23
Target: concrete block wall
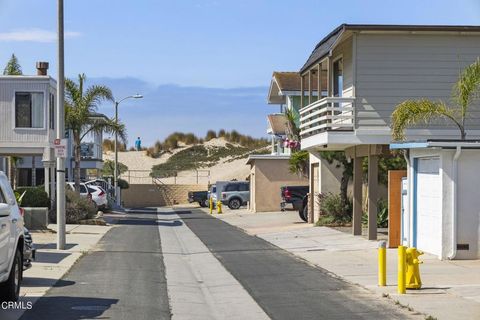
x,y
148,195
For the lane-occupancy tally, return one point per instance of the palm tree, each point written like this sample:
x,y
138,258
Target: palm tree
x,y
12,68
79,107
465,91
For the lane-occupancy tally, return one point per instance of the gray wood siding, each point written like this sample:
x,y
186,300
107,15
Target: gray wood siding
x,y
345,49
8,132
391,68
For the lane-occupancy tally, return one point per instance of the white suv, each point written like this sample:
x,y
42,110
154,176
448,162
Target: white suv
x,y
11,242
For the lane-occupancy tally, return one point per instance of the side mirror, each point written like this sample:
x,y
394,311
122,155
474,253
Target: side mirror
x,y
4,210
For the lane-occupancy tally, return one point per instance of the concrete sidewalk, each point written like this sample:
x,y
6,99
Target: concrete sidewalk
x,y
451,289
50,264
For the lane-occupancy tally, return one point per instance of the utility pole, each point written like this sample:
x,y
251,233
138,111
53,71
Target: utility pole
x,y
115,165
60,131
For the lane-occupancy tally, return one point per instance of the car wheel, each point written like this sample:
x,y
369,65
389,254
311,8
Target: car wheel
x,y
303,213
206,203
10,290
234,204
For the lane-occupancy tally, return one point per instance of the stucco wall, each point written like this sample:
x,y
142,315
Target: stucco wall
x,y
148,195
328,180
268,177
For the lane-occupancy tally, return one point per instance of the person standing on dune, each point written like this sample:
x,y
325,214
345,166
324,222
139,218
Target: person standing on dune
x,y
138,144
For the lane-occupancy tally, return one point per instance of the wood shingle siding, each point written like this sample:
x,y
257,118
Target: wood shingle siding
x,y
391,68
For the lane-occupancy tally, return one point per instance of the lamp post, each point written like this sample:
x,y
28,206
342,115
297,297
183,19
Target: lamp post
x,y
115,170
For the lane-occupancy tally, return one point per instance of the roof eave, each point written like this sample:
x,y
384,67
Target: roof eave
x,y
378,27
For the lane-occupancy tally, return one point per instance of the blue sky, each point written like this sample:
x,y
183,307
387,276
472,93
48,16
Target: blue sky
x,y
209,59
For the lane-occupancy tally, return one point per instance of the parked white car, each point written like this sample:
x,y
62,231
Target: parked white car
x,y
92,192
99,196
11,242
83,189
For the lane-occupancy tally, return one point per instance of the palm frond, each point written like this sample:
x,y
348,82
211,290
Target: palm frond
x,y
72,91
107,126
293,130
95,95
467,87
412,112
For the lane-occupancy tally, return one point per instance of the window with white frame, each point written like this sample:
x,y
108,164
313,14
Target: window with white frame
x,y
51,111
29,110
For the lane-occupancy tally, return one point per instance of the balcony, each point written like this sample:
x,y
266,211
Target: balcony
x,y
327,114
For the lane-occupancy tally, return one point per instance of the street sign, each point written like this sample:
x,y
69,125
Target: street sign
x,y
60,146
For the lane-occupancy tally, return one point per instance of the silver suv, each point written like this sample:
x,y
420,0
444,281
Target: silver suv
x,y
11,242
236,194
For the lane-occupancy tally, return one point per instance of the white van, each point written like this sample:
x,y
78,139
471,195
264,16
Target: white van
x,y
11,242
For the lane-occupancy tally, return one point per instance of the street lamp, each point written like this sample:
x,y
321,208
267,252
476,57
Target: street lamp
x,y
115,170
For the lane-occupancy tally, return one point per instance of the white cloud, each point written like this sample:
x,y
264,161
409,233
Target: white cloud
x,y
35,35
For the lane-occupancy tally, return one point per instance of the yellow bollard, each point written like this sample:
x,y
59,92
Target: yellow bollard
x,y
401,270
413,280
219,206
382,263
211,205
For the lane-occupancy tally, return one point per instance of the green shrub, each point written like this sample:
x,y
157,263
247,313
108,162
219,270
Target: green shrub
x,y
109,168
196,157
76,208
109,145
210,135
123,184
331,206
190,138
382,214
35,197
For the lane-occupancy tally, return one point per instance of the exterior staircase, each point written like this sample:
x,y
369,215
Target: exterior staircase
x,y
169,201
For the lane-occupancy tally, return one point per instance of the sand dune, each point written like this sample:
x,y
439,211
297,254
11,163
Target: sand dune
x,y
140,165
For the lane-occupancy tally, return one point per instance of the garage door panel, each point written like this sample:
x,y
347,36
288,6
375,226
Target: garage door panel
x,y
428,208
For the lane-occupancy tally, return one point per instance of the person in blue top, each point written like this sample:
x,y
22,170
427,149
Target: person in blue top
x,y
138,144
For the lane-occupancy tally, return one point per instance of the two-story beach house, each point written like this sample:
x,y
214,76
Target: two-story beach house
x,y
363,72
27,132
27,118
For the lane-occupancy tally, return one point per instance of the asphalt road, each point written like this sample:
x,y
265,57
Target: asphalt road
x,y
125,277
284,286
123,280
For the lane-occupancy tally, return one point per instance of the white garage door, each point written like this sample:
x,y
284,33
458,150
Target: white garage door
x,y
429,205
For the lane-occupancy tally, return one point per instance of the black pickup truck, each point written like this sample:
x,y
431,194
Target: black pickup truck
x,y
293,195
198,196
